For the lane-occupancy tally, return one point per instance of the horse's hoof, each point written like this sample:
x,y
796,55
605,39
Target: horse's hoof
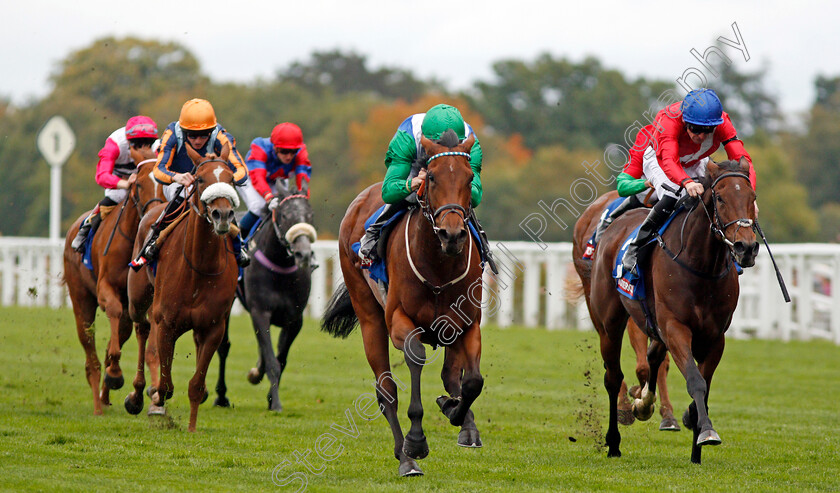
x,y
133,406
635,392
669,423
150,390
114,383
415,449
625,417
156,410
615,453
157,399
469,438
410,468
708,437
222,402
447,406
254,376
640,412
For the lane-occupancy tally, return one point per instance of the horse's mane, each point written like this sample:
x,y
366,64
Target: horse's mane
x,y
725,167
449,139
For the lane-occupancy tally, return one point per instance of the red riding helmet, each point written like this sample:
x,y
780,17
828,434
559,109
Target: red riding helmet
x,y
140,127
287,136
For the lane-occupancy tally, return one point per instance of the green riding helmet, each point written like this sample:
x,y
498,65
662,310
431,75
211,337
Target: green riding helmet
x,y
441,118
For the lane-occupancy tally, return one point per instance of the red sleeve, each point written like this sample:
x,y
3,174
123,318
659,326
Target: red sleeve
x,y
105,169
667,135
734,148
260,183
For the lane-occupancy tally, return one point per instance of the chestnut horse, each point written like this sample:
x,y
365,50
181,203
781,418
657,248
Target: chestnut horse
x,y
432,264
105,285
584,228
691,295
195,280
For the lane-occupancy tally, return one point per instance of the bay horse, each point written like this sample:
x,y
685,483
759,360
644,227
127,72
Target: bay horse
x,y
276,285
105,285
432,264
691,295
627,414
195,281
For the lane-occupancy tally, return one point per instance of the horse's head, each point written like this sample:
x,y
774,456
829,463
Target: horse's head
x,y
214,188
445,195
145,191
730,197
292,222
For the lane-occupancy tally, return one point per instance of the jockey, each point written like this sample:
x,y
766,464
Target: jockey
x,y
399,181
279,157
198,128
115,171
676,150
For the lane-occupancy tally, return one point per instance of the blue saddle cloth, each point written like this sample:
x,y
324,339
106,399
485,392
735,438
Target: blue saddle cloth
x,y
377,271
87,260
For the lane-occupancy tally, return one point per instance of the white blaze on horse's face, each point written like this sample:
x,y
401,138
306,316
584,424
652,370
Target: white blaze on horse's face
x,y
220,214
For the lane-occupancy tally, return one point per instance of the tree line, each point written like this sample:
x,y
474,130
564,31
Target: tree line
x,y
541,123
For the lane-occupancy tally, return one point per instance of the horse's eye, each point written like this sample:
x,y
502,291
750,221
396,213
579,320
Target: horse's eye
x,y
431,177
719,199
199,179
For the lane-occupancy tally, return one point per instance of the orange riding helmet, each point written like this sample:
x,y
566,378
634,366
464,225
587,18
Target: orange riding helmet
x,y
197,114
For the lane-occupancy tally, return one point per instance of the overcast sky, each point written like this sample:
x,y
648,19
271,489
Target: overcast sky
x,y
456,42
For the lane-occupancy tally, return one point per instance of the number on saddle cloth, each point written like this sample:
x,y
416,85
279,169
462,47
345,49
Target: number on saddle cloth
x,y
589,249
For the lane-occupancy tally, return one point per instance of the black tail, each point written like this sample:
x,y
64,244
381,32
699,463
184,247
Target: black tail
x,y
340,319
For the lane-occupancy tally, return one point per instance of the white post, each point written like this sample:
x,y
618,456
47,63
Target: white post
x,y
55,202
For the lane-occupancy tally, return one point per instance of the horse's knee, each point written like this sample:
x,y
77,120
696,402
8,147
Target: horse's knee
x,y
471,385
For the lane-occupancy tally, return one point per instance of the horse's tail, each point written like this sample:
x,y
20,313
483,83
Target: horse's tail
x,y
573,290
340,319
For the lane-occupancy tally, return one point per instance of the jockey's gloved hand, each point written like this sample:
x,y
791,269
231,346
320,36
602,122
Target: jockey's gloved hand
x,y
273,203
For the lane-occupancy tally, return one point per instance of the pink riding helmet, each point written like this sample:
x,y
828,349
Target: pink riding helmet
x,y
139,127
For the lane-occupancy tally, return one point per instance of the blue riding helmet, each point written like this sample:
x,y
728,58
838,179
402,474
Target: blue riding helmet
x,y
702,107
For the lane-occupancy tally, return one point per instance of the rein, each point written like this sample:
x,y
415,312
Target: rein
x,y
136,200
715,226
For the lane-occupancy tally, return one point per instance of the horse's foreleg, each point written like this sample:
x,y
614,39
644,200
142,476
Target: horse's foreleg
x,y
121,327
166,350
221,387
628,411
415,445
451,376
613,377
287,336
468,345
261,320
207,341
680,347
134,400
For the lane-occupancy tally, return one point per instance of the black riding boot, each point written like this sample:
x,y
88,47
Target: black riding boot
x,y
631,203
149,251
367,249
90,223
656,218
484,245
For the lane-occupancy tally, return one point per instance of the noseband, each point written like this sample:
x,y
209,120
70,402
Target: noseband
x,y
445,209
281,235
716,225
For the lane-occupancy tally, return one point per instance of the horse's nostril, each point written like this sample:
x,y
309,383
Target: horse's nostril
x,y
215,215
462,235
230,215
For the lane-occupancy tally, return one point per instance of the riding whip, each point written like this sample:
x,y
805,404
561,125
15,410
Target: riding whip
x,y
116,225
778,273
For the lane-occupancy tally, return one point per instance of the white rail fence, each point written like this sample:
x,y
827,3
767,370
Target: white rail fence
x,y
529,291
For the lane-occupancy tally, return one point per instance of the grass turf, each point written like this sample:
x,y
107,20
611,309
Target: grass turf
x,y
542,416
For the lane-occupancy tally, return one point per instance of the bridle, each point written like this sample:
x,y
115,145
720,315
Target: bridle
x,y
281,235
442,211
717,226
195,169
135,193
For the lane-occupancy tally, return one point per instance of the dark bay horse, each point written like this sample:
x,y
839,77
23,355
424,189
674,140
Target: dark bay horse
x,y
692,291
433,263
196,276
105,285
277,283
627,414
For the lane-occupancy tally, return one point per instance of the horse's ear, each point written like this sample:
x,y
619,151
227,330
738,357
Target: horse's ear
x,y
744,164
225,152
193,154
426,144
712,169
469,143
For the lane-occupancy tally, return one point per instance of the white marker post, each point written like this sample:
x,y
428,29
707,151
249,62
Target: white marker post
x,y
56,142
